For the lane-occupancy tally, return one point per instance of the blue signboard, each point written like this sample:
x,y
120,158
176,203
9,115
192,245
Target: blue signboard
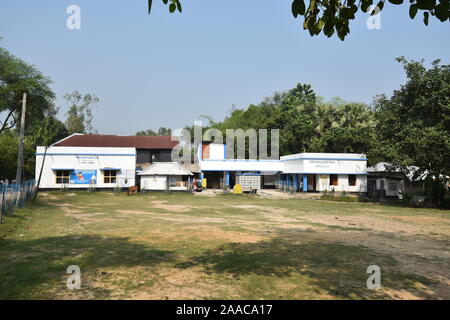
x,y
83,176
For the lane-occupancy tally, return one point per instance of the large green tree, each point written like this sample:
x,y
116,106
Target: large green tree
x,y
306,123
414,124
334,16
16,78
9,143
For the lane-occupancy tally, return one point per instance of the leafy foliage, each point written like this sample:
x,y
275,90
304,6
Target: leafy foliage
x,y
79,116
307,124
162,131
17,78
333,16
9,143
414,124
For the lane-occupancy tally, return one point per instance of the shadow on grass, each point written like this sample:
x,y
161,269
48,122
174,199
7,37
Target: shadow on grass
x,y
32,266
338,269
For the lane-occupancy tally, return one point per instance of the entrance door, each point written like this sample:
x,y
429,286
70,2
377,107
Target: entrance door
x,y
214,179
312,182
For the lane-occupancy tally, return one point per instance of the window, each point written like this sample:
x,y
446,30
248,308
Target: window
x,y
109,176
333,179
62,176
352,180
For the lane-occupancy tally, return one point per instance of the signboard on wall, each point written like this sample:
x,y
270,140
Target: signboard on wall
x,y
83,176
323,163
86,159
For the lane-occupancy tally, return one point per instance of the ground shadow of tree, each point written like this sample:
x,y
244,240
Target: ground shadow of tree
x,y
338,269
27,266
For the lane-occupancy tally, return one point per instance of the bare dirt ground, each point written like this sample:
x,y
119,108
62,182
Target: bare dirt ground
x,y
175,246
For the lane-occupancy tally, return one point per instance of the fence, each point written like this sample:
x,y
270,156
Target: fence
x,y
15,195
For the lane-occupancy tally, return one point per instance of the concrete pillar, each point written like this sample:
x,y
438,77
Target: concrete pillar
x,y
296,182
227,178
305,183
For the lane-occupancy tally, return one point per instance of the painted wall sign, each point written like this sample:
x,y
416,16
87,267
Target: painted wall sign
x,y
322,163
83,176
87,160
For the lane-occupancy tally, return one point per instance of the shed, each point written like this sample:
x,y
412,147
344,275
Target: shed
x,y
384,177
165,176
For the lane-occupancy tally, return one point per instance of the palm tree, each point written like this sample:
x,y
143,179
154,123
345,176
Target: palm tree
x,y
355,115
325,117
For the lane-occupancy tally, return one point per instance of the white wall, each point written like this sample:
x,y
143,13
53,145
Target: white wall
x,y
154,182
160,183
216,151
323,183
240,165
86,158
326,163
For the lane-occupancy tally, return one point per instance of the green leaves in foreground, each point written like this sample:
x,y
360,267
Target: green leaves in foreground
x,y
173,6
332,16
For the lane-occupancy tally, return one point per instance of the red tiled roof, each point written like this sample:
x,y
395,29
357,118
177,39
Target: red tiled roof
x,y
103,140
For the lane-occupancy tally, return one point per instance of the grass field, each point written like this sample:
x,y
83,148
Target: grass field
x,y
183,246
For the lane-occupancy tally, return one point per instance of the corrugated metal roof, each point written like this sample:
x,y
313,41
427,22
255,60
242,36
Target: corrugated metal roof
x,y
411,174
192,167
165,169
104,140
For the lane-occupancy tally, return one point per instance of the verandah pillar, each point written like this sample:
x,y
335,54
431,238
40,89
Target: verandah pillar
x,y
305,183
227,178
295,182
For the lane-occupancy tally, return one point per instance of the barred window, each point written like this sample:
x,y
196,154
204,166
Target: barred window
x,y
62,176
109,176
352,180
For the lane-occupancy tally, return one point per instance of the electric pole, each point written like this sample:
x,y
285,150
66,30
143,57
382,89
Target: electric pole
x,y
22,133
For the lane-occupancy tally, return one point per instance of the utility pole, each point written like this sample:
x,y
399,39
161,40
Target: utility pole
x,y
40,174
22,133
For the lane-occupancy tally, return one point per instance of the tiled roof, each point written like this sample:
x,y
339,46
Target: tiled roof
x,y
103,140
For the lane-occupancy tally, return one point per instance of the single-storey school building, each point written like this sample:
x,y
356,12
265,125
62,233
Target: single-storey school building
x,y
298,172
82,161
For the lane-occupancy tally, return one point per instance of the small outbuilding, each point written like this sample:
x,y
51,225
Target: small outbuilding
x,y
384,180
165,176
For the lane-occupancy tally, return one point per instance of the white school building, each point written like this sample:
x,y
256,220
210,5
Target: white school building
x,y
107,161
300,172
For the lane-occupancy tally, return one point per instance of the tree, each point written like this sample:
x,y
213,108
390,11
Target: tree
x,y
148,132
162,131
332,16
306,123
302,96
79,117
414,124
9,142
17,77
48,132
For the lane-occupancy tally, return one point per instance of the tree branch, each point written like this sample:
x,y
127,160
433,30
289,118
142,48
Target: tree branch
x,y
4,126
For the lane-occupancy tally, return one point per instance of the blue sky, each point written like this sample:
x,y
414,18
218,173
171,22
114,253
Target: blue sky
x,y
168,69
